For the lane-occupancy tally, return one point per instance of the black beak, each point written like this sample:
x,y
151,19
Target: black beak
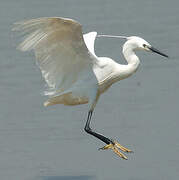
x,y
157,51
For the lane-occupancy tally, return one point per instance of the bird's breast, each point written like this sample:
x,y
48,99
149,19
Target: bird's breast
x,y
105,73
105,84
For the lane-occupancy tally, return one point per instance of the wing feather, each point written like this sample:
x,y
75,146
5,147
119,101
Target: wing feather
x,y
89,39
60,51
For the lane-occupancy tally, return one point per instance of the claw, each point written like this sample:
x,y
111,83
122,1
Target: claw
x,y
114,146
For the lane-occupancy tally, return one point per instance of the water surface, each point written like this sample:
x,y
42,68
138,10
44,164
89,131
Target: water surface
x,y
141,112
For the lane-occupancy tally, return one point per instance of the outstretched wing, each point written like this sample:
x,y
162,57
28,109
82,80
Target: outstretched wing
x,y
60,51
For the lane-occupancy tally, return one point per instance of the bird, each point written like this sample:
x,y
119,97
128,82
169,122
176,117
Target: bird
x,y
73,72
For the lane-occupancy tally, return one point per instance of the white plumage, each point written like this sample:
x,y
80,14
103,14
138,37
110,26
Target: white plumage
x,y
64,60
73,72
66,57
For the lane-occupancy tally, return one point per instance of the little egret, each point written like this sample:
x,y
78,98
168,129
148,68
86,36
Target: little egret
x,y
70,67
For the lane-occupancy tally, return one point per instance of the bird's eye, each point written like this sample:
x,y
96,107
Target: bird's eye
x,y
144,45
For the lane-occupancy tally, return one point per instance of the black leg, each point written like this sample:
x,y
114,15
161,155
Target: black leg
x,y
97,135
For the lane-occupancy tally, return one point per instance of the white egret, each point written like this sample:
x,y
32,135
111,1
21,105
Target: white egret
x,y
69,65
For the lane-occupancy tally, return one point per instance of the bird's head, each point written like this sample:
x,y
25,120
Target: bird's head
x,y
136,43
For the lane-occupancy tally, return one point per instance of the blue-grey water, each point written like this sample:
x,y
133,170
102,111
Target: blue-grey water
x,y
142,112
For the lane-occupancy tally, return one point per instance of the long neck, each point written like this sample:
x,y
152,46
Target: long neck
x,y
132,60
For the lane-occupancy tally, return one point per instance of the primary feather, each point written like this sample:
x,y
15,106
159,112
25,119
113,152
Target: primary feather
x,y
62,55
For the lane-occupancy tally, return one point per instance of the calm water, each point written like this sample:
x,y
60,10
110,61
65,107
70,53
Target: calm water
x,y
38,143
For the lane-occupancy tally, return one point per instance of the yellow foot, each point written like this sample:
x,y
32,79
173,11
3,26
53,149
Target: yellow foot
x,y
114,146
122,148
